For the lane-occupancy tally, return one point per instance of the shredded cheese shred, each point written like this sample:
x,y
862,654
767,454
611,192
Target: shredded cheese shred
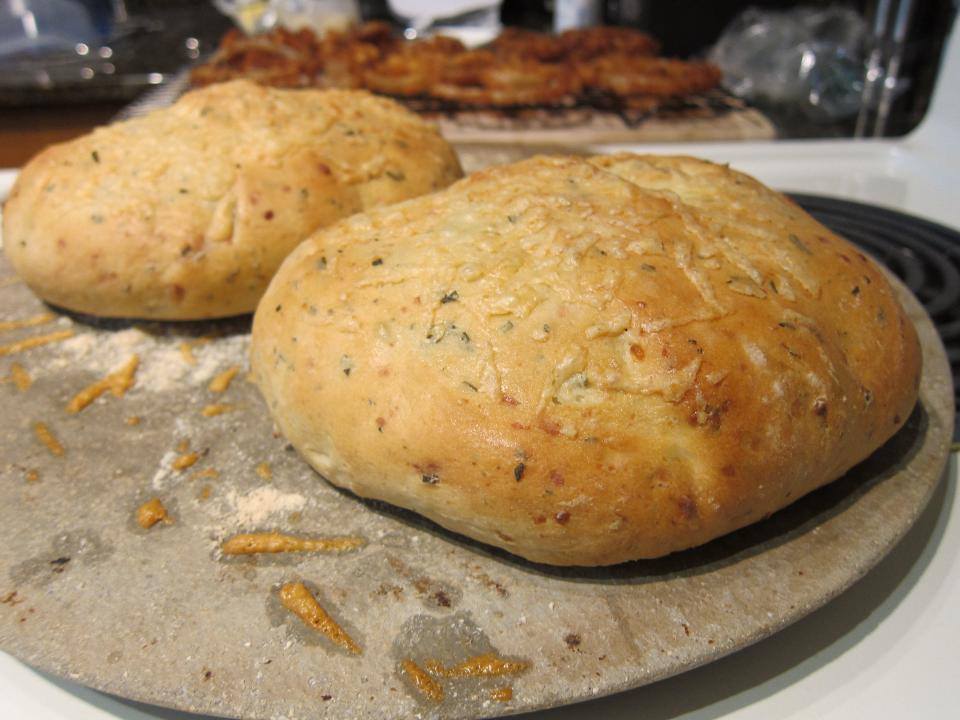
x,y
273,542
35,341
46,436
185,461
42,319
221,382
117,383
485,665
151,513
20,377
216,409
425,685
298,599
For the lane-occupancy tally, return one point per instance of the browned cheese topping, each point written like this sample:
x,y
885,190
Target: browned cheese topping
x,y
47,437
216,409
151,513
272,542
117,382
185,461
33,342
502,694
33,476
264,471
42,319
298,599
221,382
424,684
133,420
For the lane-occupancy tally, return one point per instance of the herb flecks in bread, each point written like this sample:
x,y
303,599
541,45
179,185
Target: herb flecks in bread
x,y
186,213
586,361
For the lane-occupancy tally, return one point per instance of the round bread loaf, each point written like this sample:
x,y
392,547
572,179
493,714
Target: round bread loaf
x,y
586,361
187,212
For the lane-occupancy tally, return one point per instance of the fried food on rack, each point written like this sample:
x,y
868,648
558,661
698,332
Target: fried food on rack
x,y
468,68
625,76
280,58
517,42
374,32
519,82
436,45
347,55
414,68
283,58
401,75
587,43
592,66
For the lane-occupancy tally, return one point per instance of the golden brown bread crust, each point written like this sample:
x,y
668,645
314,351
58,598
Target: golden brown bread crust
x,y
187,213
586,361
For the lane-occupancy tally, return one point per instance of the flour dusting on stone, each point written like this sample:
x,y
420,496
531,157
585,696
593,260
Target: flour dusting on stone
x,y
265,503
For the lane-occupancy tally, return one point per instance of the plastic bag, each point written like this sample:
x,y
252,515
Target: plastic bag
x,y
811,59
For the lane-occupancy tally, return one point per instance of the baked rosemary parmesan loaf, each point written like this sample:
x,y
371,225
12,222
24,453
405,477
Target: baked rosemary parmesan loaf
x,y
586,361
187,212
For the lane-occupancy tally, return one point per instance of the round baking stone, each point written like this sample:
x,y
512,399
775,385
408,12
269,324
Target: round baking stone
x,y
159,616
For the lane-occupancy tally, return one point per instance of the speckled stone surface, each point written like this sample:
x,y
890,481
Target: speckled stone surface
x,y
158,616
